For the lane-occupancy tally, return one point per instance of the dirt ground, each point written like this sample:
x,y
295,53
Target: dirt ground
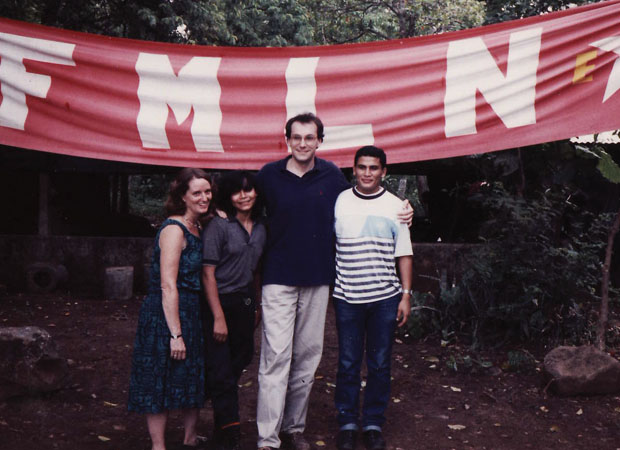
x,y
432,407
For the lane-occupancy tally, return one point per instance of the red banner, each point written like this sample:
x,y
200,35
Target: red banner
x,y
502,86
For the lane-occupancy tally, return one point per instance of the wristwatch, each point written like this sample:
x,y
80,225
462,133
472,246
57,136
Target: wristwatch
x,y
407,291
175,336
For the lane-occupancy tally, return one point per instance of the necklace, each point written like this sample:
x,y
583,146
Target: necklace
x,y
193,226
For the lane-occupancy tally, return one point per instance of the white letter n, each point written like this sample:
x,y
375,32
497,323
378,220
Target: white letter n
x,y
471,67
196,86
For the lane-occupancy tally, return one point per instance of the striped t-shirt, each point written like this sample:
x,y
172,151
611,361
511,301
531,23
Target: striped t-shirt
x,y
369,238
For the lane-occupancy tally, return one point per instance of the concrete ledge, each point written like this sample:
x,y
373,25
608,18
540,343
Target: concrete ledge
x,y
85,259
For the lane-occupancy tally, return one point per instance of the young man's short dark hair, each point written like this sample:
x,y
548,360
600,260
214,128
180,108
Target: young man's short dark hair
x,y
372,151
305,118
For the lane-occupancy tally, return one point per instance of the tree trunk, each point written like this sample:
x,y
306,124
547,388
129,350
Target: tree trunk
x,y
602,320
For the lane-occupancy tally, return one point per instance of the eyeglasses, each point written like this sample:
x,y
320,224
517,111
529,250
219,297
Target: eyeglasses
x,y
309,139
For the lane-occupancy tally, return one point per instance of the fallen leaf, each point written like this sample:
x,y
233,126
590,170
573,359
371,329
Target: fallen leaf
x,y
248,384
432,359
120,427
432,366
554,429
466,406
544,409
617,409
93,395
444,343
103,438
497,424
398,341
333,385
110,404
580,412
457,427
320,444
318,377
396,400
455,389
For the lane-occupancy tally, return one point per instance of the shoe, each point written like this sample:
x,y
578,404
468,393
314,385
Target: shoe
x,y
227,439
294,441
233,441
373,440
201,444
346,439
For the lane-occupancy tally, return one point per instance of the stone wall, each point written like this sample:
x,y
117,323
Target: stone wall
x,y
86,258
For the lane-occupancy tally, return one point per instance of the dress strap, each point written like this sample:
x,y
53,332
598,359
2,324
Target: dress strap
x,y
186,231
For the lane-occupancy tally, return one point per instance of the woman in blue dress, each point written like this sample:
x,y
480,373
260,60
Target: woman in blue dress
x,y
168,367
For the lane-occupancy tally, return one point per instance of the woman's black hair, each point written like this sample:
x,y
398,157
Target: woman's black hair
x,y
233,182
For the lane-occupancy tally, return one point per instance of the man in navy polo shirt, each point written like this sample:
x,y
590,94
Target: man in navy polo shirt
x,y
300,192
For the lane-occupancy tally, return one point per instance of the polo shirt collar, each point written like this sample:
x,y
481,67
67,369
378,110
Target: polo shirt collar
x,y
318,164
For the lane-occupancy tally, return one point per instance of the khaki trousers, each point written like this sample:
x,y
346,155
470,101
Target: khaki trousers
x,y
291,349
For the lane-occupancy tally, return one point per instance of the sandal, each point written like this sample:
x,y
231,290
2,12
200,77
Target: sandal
x,y
201,444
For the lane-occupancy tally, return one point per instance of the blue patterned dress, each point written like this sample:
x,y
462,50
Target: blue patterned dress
x,y
158,383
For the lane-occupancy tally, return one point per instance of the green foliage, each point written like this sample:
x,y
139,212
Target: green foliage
x,y
501,10
608,167
519,361
269,23
393,183
466,363
147,194
534,277
252,22
215,22
344,21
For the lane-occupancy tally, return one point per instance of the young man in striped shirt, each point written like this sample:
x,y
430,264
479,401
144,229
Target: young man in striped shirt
x,y
369,298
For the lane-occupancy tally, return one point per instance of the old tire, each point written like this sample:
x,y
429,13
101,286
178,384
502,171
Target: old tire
x,y
43,278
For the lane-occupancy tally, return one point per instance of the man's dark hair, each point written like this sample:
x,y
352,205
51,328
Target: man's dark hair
x,y
372,151
233,182
305,118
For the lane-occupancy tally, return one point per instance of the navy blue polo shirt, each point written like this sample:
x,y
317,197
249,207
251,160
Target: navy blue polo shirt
x,y
300,249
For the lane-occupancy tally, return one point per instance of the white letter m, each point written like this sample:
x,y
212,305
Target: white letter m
x,y
196,86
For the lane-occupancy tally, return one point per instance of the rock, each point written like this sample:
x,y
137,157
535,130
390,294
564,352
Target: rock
x,y
29,362
582,370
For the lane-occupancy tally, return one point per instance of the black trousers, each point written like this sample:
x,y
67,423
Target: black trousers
x,y
225,361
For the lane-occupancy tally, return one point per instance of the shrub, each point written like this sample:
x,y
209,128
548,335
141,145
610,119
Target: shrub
x,y
535,276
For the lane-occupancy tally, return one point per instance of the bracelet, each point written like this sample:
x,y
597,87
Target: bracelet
x,y
175,336
407,291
